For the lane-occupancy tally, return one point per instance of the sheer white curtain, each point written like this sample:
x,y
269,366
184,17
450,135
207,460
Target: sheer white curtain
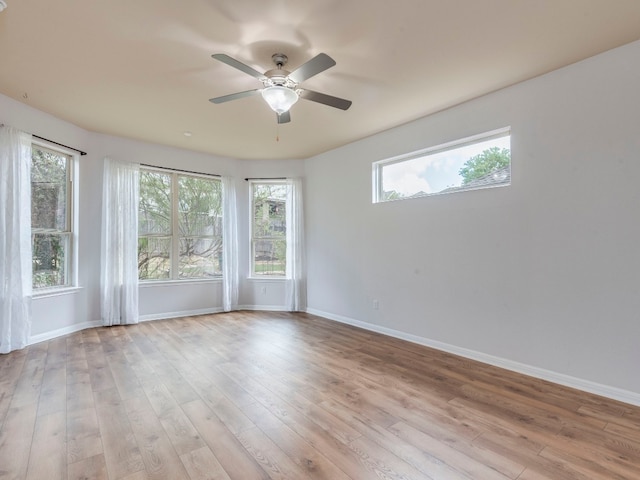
x,y
229,246
119,252
15,239
296,288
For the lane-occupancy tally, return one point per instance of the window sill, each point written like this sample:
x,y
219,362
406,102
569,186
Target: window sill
x,y
55,292
267,279
173,283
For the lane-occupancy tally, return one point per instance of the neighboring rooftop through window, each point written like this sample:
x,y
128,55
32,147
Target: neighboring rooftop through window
x,y
471,163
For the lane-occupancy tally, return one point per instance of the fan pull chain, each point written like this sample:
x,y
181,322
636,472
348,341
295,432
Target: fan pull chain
x,y
277,132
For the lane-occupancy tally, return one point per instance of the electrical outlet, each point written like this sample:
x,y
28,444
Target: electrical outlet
x,y
376,305
264,290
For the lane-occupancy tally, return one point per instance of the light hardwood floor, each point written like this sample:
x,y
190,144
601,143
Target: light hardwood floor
x,y
255,395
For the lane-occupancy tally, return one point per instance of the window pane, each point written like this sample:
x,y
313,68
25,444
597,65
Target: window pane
x,y
48,190
200,257
200,206
469,166
180,226
154,212
269,217
269,257
49,259
154,258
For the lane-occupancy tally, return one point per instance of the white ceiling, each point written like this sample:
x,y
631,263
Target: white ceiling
x,y
143,69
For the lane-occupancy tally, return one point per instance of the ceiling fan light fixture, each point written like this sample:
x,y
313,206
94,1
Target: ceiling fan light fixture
x,y
280,98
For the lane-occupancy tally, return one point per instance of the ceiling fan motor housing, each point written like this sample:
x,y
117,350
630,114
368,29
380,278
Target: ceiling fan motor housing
x,y
278,77
281,86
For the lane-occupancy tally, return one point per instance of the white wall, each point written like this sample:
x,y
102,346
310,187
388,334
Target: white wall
x,y
544,274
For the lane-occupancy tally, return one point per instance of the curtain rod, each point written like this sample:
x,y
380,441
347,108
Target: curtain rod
x,y
265,178
55,143
60,144
179,170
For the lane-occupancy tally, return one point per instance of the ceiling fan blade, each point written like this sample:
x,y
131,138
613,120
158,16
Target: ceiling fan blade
x,y
317,64
232,62
325,99
235,96
284,117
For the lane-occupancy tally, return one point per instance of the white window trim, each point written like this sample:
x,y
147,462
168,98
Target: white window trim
x,y
252,276
173,283
55,291
267,278
72,265
175,227
377,166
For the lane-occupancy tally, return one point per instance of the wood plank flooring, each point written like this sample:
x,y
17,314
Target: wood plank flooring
x,y
256,395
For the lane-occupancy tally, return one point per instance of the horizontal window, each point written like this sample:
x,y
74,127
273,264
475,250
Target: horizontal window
x,y
471,163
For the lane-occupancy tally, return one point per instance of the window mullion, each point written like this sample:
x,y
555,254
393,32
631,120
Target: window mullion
x,y
69,197
175,228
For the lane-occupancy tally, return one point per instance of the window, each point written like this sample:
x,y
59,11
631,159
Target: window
x,y
51,218
472,163
268,229
179,226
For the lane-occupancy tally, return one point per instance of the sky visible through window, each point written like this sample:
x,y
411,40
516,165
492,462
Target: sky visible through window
x,y
433,173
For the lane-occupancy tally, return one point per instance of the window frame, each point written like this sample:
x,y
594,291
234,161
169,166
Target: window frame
x,y
378,166
174,235
252,236
72,220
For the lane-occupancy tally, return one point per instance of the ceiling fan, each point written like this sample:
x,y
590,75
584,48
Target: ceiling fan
x,y
281,87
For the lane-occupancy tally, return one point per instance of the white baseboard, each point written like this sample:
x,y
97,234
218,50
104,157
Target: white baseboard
x,y
263,308
185,313
43,337
614,393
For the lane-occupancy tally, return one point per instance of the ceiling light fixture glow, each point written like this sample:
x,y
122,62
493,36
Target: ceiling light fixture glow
x,y
3,5
280,98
